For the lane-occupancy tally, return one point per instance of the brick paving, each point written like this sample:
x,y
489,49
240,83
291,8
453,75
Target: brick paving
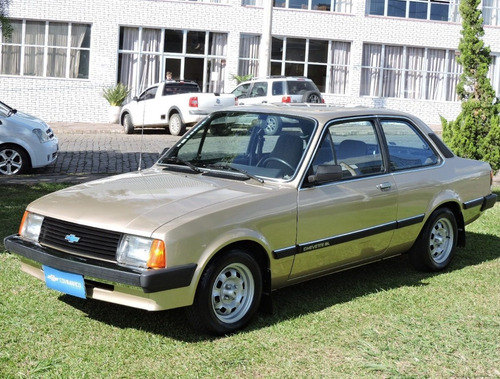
x,y
90,151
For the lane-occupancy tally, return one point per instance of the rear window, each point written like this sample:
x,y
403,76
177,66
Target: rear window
x,y
175,88
300,87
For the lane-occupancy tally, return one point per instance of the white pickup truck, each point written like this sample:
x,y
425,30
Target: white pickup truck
x,y
172,104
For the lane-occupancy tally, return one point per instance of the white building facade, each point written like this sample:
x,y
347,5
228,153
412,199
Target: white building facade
x,y
398,54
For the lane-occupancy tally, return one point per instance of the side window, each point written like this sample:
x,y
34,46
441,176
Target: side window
x,y
357,148
259,89
407,148
242,90
278,88
352,145
148,94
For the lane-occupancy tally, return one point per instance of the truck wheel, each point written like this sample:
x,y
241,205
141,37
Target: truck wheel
x,y
13,160
176,126
128,126
228,294
435,246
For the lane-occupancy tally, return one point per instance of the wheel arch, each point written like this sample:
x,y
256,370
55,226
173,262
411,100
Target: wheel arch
x,y
174,110
455,208
256,250
122,116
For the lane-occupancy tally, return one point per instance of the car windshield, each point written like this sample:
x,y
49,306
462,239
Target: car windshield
x,y
243,145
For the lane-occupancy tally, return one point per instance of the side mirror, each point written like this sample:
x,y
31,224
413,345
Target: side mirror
x,y
135,98
326,173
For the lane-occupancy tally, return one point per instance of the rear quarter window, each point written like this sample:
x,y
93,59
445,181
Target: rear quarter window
x,y
407,147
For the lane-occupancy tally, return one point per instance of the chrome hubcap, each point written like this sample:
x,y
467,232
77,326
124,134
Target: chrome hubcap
x,y
233,292
10,162
441,240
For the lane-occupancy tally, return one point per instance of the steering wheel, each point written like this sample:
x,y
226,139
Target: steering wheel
x,y
279,160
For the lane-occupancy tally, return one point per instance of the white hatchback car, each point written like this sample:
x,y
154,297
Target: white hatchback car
x,y
25,142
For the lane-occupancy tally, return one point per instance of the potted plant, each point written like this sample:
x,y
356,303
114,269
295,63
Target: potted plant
x,y
115,96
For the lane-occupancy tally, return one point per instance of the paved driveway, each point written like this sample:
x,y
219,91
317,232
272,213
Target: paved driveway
x,y
90,151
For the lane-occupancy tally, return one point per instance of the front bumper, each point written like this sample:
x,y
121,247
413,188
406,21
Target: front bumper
x,y
150,281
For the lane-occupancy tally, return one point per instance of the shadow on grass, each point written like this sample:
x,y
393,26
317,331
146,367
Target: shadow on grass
x,y
300,299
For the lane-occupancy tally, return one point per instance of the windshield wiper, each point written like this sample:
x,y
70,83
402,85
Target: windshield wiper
x,y
226,165
182,161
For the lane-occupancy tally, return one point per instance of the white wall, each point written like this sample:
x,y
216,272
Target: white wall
x,y
74,100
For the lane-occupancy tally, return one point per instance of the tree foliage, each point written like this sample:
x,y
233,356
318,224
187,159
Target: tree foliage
x,y
476,131
4,22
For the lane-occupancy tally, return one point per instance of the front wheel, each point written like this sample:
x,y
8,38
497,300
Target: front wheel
x,y
228,294
176,126
128,126
13,160
435,246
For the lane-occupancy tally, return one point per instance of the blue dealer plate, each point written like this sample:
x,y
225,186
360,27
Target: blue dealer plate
x,y
63,281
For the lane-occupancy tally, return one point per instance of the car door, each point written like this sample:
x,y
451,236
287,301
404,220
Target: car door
x,y
416,168
351,219
146,113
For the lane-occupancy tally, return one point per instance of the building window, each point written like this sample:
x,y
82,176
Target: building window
x,y
341,6
46,49
494,73
249,55
325,62
409,72
146,55
491,12
437,10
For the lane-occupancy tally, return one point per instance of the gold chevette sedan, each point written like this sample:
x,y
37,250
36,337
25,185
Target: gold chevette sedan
x,y
253,199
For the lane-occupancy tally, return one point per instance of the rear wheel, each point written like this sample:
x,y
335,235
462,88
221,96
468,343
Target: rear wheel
x,y
228,294
176,126
435,246
128,126
311,97
13,160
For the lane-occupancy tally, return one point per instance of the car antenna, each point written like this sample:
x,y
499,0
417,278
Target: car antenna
x,y
142,140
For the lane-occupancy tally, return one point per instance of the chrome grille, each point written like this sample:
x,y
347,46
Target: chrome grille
x,y
78,239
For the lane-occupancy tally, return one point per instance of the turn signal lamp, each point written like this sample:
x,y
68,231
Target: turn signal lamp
x,y
157,256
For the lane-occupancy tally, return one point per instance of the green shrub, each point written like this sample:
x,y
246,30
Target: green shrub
x,y
116,95
476,131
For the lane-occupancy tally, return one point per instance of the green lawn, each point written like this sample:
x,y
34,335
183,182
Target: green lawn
x,y
379,321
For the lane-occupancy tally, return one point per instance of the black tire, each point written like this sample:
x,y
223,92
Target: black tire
x,y
176,126
128,126
435,246
228,294
13,160
311,97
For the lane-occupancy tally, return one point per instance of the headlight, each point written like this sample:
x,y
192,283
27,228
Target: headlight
x,y
42,135
141,252
30,227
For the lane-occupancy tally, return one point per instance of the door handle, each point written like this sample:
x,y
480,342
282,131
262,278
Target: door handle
x,y
385,186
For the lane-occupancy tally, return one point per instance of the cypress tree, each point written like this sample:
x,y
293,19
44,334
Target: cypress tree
x,y
5,27
475,133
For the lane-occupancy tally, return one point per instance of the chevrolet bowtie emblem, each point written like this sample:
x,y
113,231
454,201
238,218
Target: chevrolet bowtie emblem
x,y
71,238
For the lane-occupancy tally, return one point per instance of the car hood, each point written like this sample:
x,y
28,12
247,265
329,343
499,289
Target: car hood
x,y
141,202
21,119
